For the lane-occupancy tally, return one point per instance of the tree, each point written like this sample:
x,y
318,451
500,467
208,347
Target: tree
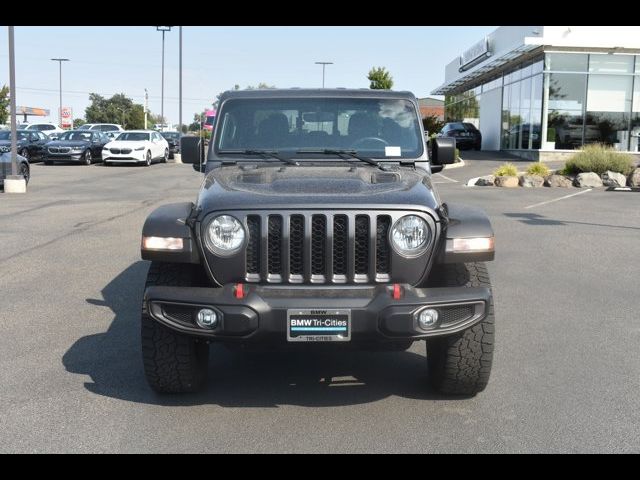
x,y
117,109
432,124
380,79
78,122
4,104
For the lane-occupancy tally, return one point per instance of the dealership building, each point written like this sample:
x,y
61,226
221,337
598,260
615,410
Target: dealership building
x,y
540,92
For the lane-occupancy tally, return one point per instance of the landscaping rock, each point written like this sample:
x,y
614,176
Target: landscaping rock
x,y
531,181
507,182
588,180
613,179
486,181
634,178
558,181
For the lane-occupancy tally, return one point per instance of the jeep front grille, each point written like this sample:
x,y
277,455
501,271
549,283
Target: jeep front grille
x,y
318,248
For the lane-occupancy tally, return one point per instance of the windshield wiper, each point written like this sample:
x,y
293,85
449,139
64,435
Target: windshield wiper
x,y
264,153
344,154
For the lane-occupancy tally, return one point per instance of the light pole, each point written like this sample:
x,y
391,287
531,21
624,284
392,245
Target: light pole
x,y
146,107
162,29
60,60
12,92
180,80
324,64
122,109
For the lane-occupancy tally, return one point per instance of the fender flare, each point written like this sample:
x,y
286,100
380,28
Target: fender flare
x,y
465,222
171,221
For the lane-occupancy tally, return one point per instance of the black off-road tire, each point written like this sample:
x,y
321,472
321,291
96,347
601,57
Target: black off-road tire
x,y
460,364
173,363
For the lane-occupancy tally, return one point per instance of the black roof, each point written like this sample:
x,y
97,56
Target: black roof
x,y
316,92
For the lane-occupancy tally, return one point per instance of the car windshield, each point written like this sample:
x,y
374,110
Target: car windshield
x,y
73,136
372,127
86,126
171,135
133,136
6,135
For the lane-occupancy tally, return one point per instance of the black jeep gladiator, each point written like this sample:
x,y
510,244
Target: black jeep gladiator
x,y
317,221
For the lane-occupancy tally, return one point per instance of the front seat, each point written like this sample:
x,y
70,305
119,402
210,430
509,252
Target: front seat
x,y
273,131
362,125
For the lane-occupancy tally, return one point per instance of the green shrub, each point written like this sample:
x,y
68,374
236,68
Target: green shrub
x,y
506,170
538,169
551,134
599,158
457,154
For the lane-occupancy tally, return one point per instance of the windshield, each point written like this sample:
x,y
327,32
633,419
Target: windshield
x,y
86,126
6,135
86,136
171,135
374,127
134,136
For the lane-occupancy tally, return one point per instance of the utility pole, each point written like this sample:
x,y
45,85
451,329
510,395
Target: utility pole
x,y
60,60
324,64
180,83
12,93
162,29
146,107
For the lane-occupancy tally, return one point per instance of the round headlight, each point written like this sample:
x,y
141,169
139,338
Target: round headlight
x,y
410,235
224,235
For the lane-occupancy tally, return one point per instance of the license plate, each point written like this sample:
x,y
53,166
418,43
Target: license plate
x,y
318,325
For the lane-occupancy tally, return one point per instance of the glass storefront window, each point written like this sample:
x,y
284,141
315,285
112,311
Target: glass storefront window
x,y
637,63
566,62
634,141
565,109
535,128
608,110
537,67
605,63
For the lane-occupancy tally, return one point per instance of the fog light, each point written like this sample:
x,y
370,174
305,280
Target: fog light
x,y
207,318
427,318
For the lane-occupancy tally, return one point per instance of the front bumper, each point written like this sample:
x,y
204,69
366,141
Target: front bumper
x,y
133,157
261,314
66,157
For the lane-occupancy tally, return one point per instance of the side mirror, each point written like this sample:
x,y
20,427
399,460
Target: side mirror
x,y
192,151
443,151
436,168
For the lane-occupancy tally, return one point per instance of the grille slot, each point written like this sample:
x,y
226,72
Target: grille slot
x,y
318,239
340,244
296,245
275,252
179,313
362,245
253,244
382,245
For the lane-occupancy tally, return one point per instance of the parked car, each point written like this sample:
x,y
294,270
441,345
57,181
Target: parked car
x,y
111,129
30,143
466,134
81,146
173,139
5,167
136,146
48,128
296,241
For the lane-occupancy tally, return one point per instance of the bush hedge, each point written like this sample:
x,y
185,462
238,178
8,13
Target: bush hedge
x,y
538,169
506,170
599,158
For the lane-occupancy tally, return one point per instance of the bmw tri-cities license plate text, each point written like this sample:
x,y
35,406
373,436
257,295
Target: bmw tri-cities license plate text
x,y
318,325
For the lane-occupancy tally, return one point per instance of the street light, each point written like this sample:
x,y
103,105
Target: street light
x,y
162,29
324,64
122,109
60,60
12,100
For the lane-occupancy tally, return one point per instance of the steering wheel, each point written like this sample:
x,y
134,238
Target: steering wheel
x,y
364,140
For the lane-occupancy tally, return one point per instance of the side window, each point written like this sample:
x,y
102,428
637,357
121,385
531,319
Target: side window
x,y
42,136
33,136
48,127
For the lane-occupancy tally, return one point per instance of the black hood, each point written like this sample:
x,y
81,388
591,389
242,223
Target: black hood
x,y
234,187
68,143
7,143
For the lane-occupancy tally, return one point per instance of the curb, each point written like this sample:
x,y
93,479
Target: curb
x,y
459,164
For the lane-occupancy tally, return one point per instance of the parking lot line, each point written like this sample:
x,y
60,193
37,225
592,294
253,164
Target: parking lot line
x,y
447,178
558,199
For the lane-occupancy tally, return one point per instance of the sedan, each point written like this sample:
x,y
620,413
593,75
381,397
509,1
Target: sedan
x,y
136,146
5,167
78,146
30,143
173,139
466,134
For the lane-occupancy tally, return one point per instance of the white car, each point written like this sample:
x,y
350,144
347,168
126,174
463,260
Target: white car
x,y
136,146
112,130
48,128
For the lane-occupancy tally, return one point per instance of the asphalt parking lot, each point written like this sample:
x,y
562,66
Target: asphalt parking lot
x,y
566,372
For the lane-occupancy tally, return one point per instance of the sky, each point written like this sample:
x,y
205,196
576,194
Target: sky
x,y
109,60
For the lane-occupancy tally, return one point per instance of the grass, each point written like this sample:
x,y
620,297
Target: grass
x,y
538,169
506,170
598,158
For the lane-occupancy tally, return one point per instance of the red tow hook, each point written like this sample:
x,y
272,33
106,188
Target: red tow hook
x,y
397,291
239,291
